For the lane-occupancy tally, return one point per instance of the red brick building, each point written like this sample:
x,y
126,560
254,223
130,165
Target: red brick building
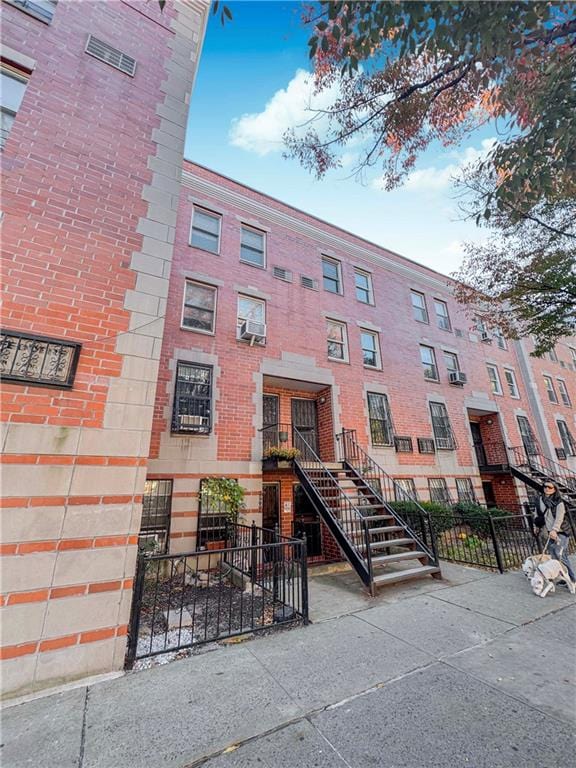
x,y
95,99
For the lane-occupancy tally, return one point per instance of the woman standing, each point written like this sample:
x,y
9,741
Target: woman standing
x,y
552,514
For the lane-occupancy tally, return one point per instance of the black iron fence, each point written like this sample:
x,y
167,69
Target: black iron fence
x,y
257,581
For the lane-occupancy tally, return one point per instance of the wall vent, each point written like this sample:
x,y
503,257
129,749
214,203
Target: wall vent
x,y
282,274
308,282
110,55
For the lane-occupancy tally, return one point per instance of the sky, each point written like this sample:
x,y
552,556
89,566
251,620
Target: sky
x,y
253,83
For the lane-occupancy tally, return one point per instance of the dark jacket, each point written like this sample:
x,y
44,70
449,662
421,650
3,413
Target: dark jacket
x,y
554,518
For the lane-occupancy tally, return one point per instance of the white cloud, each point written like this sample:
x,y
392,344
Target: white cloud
x,y
290,107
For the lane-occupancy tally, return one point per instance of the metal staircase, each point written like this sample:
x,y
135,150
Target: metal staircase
x,y
348,496
533,469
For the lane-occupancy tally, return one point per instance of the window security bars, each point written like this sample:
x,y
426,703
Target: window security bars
x,y
156,510
465,489
37,360
212,520
404,487
403,444
257,581
381,428
426,445
438,490
443,435
192,412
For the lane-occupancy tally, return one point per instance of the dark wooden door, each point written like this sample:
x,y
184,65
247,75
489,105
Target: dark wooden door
x,y
270,505
489,494
305,421
306,521
270,421
478,444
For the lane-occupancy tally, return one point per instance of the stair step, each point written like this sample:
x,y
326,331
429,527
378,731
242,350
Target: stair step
x,y
375,518
411,573
401,542
413,554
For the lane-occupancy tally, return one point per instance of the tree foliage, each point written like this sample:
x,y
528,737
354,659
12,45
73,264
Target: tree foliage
x,y
411,73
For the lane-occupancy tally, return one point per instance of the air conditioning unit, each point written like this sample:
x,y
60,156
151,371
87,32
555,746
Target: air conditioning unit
x,y
192,422
485,337
253,332
457,377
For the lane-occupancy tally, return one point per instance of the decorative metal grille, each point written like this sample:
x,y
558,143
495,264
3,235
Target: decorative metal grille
x,y
156,509
403,444
193,399
37,360
426,445
465,489
438,490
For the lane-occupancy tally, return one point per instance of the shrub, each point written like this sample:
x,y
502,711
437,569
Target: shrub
x,y
441,516
477,517
283,454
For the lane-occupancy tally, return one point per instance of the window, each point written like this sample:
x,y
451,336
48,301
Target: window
x,y
192,412
43,10
363,282
552,396
12,86
451,362
156,509
494,377
250,309
370,349
566,437
404,489
500,340
212,518
426,445
381,429
337,340
552,355
428,359
511,383
31,359
482,330
199,309
441,427
565,397
438,490
253,247
527,435
442,316
419,306
573,353
465,490
205,230
331,277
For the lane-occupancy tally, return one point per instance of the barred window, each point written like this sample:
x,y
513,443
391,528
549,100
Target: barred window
x,y
192,411
381,429
438,490
465,489
39,360
212,518
567,438
156,510
404,489
205,232
441,427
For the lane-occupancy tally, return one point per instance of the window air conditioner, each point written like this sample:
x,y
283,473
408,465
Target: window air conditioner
x,y
457,377
253,331
190,422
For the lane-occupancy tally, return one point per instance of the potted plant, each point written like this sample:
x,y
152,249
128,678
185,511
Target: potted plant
x,y
223,497
277,457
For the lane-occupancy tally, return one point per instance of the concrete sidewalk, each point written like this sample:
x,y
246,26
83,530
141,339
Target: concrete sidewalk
x,y
472,670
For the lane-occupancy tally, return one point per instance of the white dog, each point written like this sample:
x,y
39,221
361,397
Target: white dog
x,y
546,573
531,563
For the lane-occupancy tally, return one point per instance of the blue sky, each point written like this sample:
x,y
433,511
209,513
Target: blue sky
x,y
252,84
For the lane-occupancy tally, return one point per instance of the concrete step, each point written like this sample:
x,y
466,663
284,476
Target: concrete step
x,y
413,554
413,573
400,542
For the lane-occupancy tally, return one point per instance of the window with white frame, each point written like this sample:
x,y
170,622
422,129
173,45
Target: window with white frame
x,y
573,354
442,316
41,9
250,309
565,397
566,437
337,340
363,283
381,428
13,83
511,383
552,355
419,309
451,362
331,275
205,232
199,310
404,489
552,396
428,359
370,349
253,247
494,377
499,336
465,490
441,427
438,490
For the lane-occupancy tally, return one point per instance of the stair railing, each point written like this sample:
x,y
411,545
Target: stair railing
x,y
343,518
387,490
537,462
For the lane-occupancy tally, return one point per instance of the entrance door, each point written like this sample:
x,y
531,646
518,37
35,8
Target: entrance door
x,y
306,521
489,494
269,421
305,421
478,444
270,505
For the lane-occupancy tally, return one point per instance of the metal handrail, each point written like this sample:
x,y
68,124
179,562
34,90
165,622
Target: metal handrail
x,y
352,451
309,456
545,465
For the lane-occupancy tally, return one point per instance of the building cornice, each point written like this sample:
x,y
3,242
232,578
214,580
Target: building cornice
x,y
294,224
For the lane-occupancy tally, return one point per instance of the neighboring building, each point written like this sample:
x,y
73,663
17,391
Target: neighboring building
x,y
95,98
342,334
